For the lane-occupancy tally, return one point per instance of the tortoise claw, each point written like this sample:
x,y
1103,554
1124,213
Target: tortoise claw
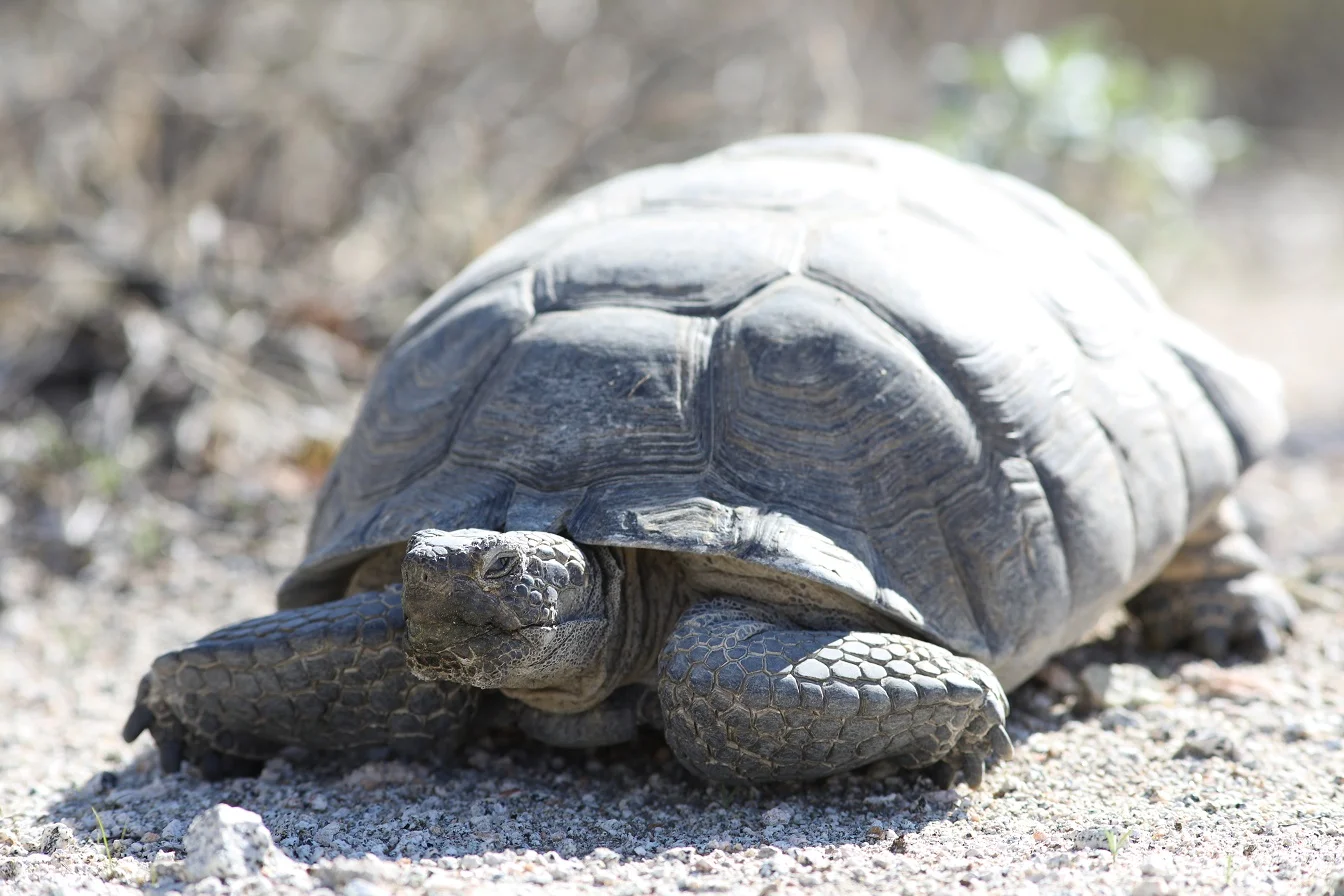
x,y
170,755
1264,641
1212,643
1000,742
994,745
943,774
973,769
166,734
141,718
210,765
137,723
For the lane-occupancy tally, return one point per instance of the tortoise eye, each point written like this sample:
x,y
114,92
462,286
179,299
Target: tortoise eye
x,y
503,565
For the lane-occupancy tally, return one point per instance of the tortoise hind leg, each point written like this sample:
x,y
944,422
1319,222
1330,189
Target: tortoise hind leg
x,y
1218,594
747,698
326,677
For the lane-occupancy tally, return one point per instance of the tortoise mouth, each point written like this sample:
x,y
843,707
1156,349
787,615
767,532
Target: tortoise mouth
x,y
482,659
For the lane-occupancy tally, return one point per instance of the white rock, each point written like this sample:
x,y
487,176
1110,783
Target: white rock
x,y
56,838
327,834
1119,685
1160,865
1332,885
166,866
361,887
228,843
1152,886
606,856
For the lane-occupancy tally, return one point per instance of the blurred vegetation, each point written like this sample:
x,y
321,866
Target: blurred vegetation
x,y
1278,64
1129,143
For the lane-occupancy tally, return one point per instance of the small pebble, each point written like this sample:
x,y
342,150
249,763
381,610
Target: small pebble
x,y
942,797
166,866
1127,685
1208,744
1116,718
57,837
1059,679
362,887
1159,865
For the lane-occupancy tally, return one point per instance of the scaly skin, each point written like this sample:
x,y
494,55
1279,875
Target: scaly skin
x,y
331,676
747,699
1217,595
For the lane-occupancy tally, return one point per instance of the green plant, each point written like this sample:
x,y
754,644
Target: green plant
x,y
1116,842
148,540
107,847
104,474
1128,143
1227,872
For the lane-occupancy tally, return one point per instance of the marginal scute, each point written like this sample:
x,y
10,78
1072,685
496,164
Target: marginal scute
x,y
417,400
448,498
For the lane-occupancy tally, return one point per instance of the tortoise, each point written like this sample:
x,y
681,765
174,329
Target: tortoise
x,y
805,451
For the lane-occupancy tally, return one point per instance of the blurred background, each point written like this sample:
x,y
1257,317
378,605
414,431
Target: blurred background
x,y
214,214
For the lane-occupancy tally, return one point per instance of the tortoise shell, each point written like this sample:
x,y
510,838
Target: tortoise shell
x,y
928,386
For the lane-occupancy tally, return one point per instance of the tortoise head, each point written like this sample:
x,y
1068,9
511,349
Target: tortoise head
x,y
518,611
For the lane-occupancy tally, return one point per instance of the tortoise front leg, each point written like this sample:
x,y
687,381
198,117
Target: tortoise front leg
x,y
326,677
748,699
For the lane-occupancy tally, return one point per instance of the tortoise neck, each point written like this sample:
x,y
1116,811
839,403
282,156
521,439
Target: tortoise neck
x,y
629,587
651,596
640,596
